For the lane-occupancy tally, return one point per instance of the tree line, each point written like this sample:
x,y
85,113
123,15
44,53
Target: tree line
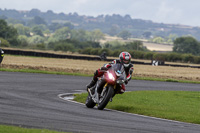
x,y
109,24
19,35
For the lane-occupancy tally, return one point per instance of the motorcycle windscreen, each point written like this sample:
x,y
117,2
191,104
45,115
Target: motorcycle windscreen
x,y
119,68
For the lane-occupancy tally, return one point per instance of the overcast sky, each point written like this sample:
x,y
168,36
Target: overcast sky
x,y
166,11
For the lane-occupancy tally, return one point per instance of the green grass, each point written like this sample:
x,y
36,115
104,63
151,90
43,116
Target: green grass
x,y
86,75
173,105
43,72
14,129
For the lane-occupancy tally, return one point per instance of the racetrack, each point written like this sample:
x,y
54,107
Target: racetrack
x,y
31,100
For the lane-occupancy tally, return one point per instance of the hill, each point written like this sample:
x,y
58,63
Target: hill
x,y
109,24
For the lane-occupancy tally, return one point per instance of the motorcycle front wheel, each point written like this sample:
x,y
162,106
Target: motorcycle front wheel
x,y
107,95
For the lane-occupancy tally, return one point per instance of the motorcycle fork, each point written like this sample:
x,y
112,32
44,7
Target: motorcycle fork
x,y
104,89
95,96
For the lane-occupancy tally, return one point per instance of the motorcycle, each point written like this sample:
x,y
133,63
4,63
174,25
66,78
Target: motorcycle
x,y
106,87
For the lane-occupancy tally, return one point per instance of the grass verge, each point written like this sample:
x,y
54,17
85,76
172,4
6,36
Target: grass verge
x,y
14,129
174,105
43,72
86,75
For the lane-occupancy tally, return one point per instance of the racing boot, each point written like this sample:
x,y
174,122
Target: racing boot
x,y
91,84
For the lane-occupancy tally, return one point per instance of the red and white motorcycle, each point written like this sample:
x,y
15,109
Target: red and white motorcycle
x,y
106,87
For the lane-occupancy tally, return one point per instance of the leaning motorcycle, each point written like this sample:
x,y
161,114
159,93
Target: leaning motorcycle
x,y
106,87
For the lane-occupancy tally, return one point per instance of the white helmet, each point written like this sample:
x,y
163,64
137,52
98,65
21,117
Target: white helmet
x,y
125,58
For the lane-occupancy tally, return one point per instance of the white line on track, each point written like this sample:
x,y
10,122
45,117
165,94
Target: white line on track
x,y
69,97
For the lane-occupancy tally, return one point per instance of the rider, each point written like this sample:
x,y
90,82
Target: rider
x,y
1,55
125,59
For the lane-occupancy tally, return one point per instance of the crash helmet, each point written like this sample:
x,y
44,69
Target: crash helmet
x,y
125,58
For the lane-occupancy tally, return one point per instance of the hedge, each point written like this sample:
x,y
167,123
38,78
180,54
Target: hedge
x,y
171,57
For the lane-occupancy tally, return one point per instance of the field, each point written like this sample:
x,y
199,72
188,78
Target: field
x,y
88,67
158,47
150,46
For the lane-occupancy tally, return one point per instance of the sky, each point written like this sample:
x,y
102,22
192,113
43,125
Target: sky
x,y
184,12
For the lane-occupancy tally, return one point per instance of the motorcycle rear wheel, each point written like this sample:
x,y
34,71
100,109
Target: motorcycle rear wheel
x,y
106,98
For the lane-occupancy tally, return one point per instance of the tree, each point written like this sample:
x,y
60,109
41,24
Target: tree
x,y
36,21
23,40
80,35
113,30
51,40
8,33
171,38
97,35
158,40
3,28
54,26
62,34
22,30
14,21
4,43
124,34
36,39
135,45
37,31
69,25
186,45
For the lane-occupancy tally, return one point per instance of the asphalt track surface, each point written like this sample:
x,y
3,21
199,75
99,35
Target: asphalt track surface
x,y
31,100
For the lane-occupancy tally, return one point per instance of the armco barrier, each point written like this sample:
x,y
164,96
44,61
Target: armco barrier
x,y
52,55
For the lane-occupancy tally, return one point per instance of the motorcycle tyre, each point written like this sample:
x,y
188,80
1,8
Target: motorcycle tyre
x,y
104,102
